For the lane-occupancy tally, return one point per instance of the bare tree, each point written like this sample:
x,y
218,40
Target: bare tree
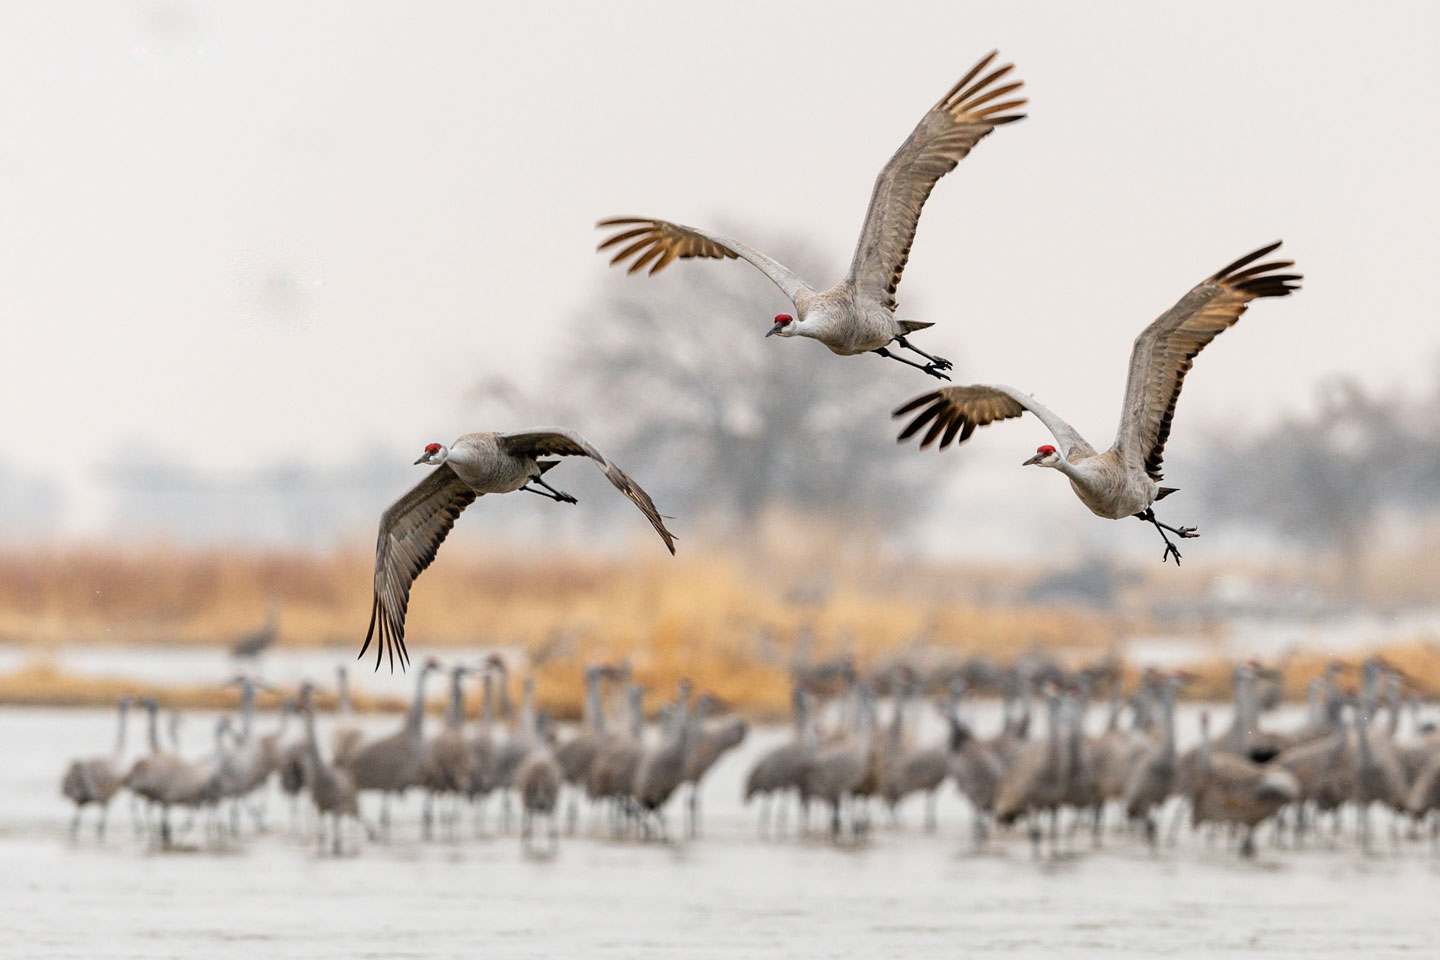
x,y
1322,480
726,424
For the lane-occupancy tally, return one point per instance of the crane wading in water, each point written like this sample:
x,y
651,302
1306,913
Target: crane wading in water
x,y
857,315
1124,481
412,530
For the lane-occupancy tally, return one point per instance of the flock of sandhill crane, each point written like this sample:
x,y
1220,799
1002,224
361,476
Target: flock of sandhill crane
x,y
845,756
841,756
856,315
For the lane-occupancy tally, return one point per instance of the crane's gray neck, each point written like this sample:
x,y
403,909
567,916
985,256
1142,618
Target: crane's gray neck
x,y
120,733
343,681
527,710
312,743
455,717
247,707
1167,720
415,722
154,712
637,711
594,706
487,705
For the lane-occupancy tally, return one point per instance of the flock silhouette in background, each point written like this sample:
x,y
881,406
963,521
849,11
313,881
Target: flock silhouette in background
x,y
1076,758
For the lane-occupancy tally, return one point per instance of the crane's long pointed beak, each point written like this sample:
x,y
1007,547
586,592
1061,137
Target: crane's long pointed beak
x,y
1033,460
422,459
775,329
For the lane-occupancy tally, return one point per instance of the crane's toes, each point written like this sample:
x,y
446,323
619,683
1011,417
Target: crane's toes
x,y
564,497
1170,551
934,371
940,363
1189,533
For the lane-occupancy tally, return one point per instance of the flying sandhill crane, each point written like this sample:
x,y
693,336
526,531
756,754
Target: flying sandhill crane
x,y
392,764
97,779
857,315
332,788
1124,481
413,528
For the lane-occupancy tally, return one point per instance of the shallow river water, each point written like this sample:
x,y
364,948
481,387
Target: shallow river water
x,y
902,893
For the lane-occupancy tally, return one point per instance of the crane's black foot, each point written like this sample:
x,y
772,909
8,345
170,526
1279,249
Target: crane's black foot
x,y
559,496
939,363
929,368
1185,533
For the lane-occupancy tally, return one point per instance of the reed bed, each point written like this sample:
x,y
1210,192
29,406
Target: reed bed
x,y
733,626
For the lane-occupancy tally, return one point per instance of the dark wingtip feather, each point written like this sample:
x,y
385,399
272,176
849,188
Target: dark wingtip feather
x,y
1247,259
917,402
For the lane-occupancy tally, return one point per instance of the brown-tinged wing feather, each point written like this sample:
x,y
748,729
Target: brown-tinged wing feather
x,y
554,442
658,243
1166,349
973,107
411,532
953,413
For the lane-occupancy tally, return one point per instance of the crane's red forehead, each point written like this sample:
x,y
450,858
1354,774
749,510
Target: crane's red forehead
x,y
1045,449
783,318
432,448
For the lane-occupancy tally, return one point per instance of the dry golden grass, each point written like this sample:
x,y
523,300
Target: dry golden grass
x,y
728,626
733,627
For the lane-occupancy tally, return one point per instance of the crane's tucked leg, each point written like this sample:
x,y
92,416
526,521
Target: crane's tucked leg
x,y
1186,533
929,368
559,496
940,363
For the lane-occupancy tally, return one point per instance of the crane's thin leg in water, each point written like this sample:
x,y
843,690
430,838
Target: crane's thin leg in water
x,y
929,368
559,496
940,363
1186,533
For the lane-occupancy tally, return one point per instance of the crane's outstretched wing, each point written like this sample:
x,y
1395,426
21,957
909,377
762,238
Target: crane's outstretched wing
x,y
953,411
661,241
411,532
1165,350
554,442
941,140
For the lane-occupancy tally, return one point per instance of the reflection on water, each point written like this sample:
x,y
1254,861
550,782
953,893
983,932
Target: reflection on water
x,y
726,895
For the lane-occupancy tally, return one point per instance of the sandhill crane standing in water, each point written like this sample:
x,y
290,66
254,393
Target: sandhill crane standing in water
x,y
97,779
1124,480
537,781
392,764
332,788
783,768
413,528
857,315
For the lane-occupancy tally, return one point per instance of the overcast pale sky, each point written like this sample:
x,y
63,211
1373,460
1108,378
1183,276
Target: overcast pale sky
x,y
249,231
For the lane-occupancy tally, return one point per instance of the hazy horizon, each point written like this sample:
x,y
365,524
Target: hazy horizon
x,y
266,234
